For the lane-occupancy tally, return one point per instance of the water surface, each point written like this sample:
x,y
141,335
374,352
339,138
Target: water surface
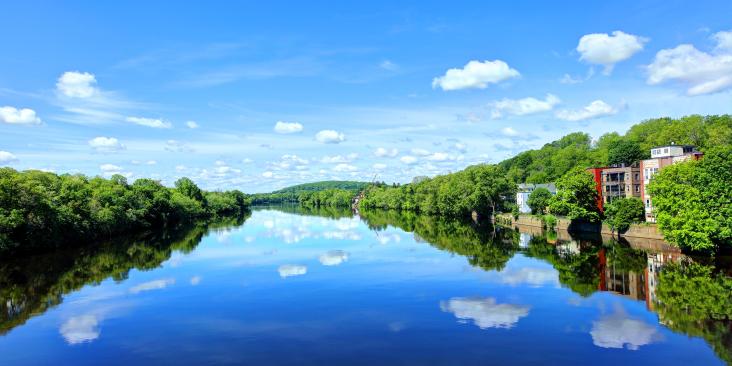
x,y
290,286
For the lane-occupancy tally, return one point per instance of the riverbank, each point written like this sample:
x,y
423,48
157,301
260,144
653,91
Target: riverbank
x,y
636,231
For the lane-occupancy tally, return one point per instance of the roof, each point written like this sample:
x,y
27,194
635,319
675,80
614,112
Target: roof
x,y
526,186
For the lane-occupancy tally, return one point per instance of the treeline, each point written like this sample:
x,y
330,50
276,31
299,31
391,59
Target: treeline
x,y
304,192
327,198
42,210
479,188
578,150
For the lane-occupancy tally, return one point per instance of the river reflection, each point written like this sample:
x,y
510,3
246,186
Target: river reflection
x,y
293,285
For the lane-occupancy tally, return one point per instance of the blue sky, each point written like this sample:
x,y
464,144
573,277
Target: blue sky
x,y
361,89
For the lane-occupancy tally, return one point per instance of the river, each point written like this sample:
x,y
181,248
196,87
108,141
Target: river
x,y
287,285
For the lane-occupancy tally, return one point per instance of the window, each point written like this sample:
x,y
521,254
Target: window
x,y
637,188
665,150
636,176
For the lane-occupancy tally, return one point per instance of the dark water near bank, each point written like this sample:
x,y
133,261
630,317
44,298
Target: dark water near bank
x,y
291,286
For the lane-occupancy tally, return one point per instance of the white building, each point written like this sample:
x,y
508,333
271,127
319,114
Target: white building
x,y
524,191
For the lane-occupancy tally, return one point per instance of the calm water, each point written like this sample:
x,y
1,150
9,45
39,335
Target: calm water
x,y
289,287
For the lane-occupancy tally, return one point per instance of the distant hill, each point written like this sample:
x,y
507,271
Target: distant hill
x,y
321,186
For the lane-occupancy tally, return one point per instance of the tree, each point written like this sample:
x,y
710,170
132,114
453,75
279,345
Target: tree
x,y
623,212
624,152
576,196
539,200
692,201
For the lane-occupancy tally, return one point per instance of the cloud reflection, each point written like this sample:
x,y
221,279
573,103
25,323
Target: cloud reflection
x,y
152,285
80,329
619,330
333,258
485,312
289,270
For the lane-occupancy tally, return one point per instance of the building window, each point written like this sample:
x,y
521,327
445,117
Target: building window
x,y
637,189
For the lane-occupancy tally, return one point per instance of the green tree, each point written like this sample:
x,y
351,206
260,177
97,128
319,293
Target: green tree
x,y
623,212
576,196
539,200
625,152
692,201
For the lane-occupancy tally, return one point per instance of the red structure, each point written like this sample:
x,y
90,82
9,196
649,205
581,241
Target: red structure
x,y
597,176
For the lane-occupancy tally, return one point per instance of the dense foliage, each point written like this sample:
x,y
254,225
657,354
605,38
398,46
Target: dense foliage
x,y
294,193
576,196
577,150
623,212
692,200
328,197
39,209
539,200
479,188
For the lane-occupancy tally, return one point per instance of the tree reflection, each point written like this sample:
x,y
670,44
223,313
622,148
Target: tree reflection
x,y
320,211
33,284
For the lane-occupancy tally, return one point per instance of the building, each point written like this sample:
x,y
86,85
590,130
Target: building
x,y
615,182
661,157
524,191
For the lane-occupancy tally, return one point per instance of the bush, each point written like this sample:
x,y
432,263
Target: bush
x,y
623,212
550,221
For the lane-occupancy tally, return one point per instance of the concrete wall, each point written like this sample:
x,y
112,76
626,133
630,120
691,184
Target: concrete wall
x,y
643,231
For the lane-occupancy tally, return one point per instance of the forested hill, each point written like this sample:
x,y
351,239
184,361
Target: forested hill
x,y
317,191
321,186
578,149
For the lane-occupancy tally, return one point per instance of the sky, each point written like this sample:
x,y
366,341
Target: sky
x,y
261,95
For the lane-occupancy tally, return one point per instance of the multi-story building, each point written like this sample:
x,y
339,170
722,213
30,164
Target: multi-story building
x,y
620,182
524,191
661,157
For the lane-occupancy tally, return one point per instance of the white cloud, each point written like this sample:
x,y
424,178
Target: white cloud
x,y
177,146
383,152
287,127
408,159
329,137
702,72
597,108
80,329
344,168
420,152
192,124
110,168
509,131
15,116
151,162
333,258
76,84
289,270
379,166
149,122
524,106
268,174
441,156
152,285
485,312
475,74
7,158
195,280
618,331
335,159
106,144
607,50
530,276
388,65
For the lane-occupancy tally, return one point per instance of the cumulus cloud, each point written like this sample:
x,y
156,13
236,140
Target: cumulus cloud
x,y
379,166
268,174
15,116
152,285
336,159
510,132
287,127
607,50
408,159
702,72
289,270
485,312
388,65
192,124
7,158
106,144
80,329
419,152
384,152
329,137
619,330
76,84
177,146
149,122
524,106
475,74
333,258
344,168
110,168
597,108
